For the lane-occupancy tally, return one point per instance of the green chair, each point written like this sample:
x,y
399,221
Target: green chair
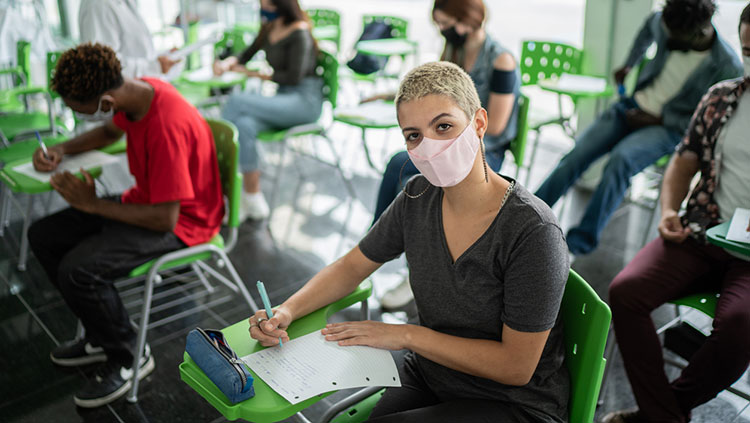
x,y
368,119
704,302
227,150
397,45
326,25
16,123
542,63
586,323
327,69
267,405
518,144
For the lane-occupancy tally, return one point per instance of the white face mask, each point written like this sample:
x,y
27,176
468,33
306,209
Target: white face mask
x,y
97,116
445,163
746,64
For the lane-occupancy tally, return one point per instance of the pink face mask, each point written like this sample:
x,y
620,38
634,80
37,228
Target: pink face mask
x,y
445,163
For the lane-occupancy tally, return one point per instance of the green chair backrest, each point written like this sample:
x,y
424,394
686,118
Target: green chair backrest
x,y
547,60
52,58
399,26
23,59
227,154
518,145
324,17
328,69
586,321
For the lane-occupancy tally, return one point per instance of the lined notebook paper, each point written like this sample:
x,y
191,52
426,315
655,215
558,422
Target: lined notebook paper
x,y
71,162
310,365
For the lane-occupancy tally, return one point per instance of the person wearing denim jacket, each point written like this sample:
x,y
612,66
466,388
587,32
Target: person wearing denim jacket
x,y
638,130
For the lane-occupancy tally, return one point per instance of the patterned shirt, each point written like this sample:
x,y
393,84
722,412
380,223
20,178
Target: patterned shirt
x,y
713,112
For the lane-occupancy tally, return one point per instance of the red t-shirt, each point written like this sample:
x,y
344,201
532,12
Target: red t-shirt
x,y
171,154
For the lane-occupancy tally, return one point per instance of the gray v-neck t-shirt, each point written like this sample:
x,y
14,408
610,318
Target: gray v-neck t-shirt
x,y
514,274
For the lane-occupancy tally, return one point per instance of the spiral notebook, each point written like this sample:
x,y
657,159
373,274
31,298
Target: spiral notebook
x,y
309,365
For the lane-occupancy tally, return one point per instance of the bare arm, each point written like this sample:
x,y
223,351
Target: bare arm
x,y
334,282
81,194
90,140
511,361
500,106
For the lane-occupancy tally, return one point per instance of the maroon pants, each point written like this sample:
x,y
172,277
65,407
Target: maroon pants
x,y
664,271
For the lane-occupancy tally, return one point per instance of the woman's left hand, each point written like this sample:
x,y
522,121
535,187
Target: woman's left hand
x,y
369,333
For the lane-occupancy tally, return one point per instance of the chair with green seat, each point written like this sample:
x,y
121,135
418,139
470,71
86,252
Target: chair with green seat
x,y
585,324
266,405
227,151
327,69
542,63
16,123
326,25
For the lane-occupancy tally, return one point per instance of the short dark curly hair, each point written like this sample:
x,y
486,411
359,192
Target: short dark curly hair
x,y
87,71
688,15
745,16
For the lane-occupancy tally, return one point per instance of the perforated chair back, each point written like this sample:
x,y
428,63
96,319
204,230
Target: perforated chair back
x,y
227,149
52,58
518,144
324,17
328,70
586,321
547,60
399,26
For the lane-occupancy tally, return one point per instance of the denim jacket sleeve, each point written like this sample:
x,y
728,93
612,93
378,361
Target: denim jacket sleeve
x,y
646,36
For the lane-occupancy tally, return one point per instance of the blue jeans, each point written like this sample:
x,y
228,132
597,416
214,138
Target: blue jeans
x,y
631,151
253,113
394,179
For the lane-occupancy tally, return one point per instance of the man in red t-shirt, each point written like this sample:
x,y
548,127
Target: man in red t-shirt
x,y
176,202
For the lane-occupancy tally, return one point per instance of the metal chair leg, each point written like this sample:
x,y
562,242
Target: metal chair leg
x,y
148,292
4,209
609,355
202,277
24,249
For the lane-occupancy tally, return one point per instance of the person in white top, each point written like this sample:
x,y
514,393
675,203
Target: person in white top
x,y
118,24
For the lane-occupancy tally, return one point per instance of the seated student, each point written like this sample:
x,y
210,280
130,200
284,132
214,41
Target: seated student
x,y
488,267
637,131
681,262
292,53
176,202
118,24
496,77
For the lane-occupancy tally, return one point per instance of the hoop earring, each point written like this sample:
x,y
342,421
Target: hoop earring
x,y
400,174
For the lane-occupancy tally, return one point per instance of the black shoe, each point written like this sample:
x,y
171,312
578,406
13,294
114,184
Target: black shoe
x,y
77,352
110,382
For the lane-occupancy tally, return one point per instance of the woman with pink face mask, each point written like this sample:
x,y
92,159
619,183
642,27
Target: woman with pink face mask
x,y
488,265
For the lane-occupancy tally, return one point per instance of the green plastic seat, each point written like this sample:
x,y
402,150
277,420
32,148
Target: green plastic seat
x,y
586,324
326,25
266,405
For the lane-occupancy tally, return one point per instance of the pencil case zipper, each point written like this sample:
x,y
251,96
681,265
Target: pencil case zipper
x,y
233,361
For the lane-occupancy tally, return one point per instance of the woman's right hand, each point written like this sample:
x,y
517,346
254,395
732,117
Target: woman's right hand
x,y
268,332
671,229
49,163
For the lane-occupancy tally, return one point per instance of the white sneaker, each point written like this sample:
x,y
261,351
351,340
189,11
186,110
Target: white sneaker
x,y
254,206
398,296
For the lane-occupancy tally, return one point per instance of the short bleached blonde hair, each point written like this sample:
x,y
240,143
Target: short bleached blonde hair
x,y
440,78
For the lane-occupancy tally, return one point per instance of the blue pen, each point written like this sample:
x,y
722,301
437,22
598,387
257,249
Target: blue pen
x,y
266,303
41,144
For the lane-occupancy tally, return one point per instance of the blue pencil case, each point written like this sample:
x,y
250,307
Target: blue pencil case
x,y
210,351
